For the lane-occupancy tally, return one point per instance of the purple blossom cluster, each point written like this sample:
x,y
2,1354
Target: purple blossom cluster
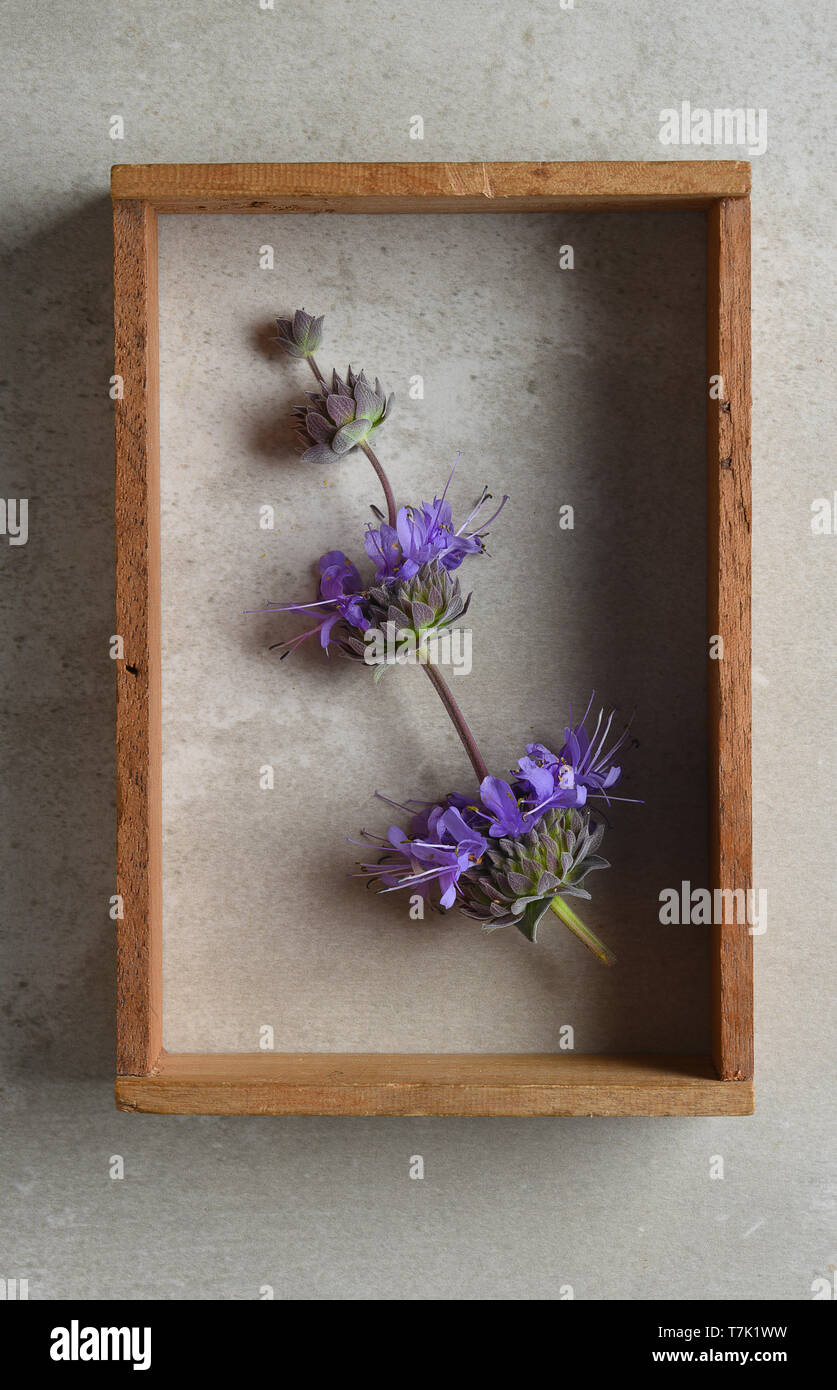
x,y
422,534
450,838
426,533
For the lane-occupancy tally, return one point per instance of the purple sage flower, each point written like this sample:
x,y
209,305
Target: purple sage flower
x,y
546,782
449,848
425,533
506,818
341,585
342,599
512,852
584,766
593,762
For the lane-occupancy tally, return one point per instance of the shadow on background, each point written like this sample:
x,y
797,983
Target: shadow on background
x,y
644,572
58,799
637,563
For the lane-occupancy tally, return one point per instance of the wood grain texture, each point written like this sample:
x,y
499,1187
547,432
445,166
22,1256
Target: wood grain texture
x,y
433,1084
415,187
465,1084
138,713
728,614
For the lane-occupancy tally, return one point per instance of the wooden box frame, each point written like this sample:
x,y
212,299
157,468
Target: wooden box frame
x,y
149,1079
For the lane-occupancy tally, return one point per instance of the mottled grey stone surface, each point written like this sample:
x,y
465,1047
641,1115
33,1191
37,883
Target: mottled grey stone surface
x,y
580,387
214,1208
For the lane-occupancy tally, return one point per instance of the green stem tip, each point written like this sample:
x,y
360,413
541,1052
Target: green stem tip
x,y
562,909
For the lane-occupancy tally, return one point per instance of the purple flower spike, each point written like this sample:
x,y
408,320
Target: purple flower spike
x,y
384,550
584,766
426,533
546,783
507,819
594,765
341,585
341,599
451,847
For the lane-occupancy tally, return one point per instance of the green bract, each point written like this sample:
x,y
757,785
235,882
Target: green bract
x,y
516,881
338,420
301,335
431,600
408,613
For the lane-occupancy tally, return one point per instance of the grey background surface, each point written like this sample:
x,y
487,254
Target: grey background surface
x,y
540,377
214,1208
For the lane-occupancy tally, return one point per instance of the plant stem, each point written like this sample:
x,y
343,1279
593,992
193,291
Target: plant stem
x,y
312,363
434,675
562,909
392,514
458,720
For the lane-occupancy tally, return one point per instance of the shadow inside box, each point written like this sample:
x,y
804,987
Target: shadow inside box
x,y
620,609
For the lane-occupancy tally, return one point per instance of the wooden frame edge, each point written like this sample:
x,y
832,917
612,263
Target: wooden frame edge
x,y
138,678
148,1078
729,508
512,1084
437,187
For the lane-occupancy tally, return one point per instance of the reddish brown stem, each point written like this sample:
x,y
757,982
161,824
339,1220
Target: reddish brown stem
x,y
458,720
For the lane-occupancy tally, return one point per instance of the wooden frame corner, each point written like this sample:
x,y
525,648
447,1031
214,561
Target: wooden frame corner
x,y
150,1079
